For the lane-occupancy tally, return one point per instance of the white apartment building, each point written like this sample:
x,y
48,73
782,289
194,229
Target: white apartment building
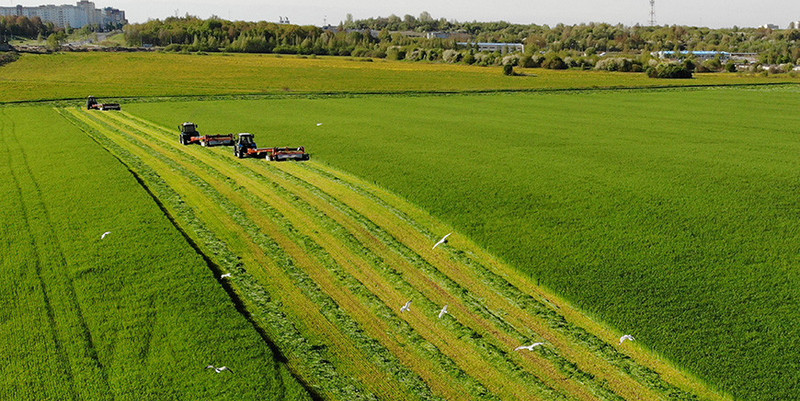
x,y
77,16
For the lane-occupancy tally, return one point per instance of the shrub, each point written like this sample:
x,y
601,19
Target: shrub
x,y
511,59
394,53
9,57
508,69
669,70
553,62
451,56
620,64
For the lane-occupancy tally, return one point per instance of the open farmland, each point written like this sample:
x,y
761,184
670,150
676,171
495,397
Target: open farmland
x,y
77,75
323,261
136,315
670,214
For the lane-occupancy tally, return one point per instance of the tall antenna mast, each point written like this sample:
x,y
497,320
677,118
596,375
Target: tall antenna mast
x,y
652,12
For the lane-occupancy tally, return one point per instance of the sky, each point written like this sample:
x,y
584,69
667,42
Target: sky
x,y
710,13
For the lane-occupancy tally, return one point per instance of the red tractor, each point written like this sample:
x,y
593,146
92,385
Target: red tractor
x,y
91,104
189,135
245,146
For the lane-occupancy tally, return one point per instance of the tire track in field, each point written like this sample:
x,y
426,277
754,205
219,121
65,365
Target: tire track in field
x,y
308,210
62,356
61,271
263,253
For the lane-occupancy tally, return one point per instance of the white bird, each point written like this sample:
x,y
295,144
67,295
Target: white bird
x,y
226,275
104,234
219,369
625,337
528,347
318,124
406,307
441,241
443,312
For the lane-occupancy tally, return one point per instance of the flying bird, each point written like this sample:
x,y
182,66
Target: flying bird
x,y
441,241
406,307
528,347
443,312
219,369
226,275
625,337
104,234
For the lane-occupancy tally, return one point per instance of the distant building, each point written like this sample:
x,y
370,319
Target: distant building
x,y
706,55
77,16
503,48
462,36
794,25
769,26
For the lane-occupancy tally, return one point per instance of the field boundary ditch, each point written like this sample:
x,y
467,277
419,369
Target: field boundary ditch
x,y
69,102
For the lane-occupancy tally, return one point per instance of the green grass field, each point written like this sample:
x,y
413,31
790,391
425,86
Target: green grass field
x,y
670,214
137,315
77,75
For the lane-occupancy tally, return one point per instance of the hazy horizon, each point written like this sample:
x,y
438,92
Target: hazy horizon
x,y
713,14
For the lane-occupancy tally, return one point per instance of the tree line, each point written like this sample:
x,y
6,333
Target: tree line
x,y
382,37
24,27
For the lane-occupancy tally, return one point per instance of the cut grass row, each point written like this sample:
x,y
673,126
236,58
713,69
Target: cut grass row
x,y
205,163
89,319
77,75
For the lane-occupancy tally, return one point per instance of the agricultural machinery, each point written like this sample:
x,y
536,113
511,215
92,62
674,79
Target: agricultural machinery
x,y
245,146
189,134
91,104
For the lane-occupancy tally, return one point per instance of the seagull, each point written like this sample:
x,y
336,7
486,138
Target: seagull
x,y
219,369
528,347
443,312
441,241
625,337
318,124
406,307
226,275
104,234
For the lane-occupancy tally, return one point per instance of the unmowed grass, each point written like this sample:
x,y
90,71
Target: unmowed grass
x,y
137,315
77,75
669,214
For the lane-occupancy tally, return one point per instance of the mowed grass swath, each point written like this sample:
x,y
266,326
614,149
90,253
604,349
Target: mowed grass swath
x,y
324,261
669,214
77,75
135,315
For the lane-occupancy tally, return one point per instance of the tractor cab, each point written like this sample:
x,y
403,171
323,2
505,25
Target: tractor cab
x,y
245,146
90,102
188,130
245,140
